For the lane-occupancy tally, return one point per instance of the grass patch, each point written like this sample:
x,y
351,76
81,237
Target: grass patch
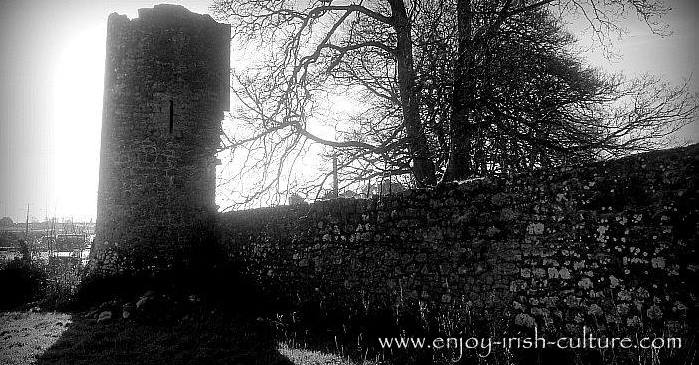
x,y
204,338
26,335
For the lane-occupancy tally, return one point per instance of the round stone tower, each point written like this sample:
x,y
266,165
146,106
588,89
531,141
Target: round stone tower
x,y
166,87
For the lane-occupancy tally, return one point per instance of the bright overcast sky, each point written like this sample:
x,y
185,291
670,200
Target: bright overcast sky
x,y
51,71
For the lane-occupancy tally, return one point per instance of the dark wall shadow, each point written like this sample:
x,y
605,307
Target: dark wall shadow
x,y
199,339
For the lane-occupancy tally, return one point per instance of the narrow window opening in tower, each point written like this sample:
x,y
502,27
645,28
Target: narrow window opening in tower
x,y
171,117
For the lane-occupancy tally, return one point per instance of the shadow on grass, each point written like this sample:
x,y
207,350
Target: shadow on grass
x,y
210,339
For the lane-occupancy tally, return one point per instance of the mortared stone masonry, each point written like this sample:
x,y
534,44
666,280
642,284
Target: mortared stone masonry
x,y
166,87
611,246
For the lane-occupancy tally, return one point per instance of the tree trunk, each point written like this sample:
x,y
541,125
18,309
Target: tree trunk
x,y
461,128
423,166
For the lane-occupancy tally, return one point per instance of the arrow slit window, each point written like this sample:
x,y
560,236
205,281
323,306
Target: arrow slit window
x,y
172,121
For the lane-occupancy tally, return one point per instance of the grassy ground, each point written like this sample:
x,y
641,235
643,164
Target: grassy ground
x,y
301,355
25,336
60,338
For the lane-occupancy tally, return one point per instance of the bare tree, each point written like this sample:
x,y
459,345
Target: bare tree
x,y
448,88
479,22
333,32
531,102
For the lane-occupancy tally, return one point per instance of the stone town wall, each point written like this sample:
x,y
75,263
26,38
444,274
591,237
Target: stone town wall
x,y
166,87
611,246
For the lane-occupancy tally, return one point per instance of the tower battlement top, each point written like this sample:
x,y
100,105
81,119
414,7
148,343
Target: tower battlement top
x,y
168,14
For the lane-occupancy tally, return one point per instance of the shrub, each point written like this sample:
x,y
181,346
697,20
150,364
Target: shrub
x,y
22,281
51,284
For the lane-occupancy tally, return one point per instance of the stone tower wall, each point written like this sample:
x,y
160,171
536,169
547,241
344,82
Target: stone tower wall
x,y
166,87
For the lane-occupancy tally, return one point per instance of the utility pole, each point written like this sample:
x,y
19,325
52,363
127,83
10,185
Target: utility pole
x,y
336,189
26,225
24,244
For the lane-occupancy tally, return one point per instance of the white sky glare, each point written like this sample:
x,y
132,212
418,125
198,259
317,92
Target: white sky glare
x,y
51,75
